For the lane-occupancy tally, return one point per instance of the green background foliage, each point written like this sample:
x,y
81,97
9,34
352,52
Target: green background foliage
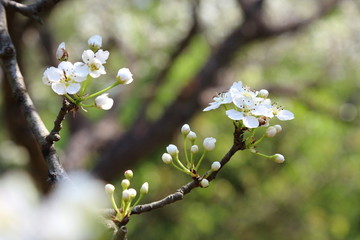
x,y
314,73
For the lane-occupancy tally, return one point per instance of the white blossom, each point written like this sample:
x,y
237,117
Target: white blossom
x,y
220,99
204,183
215,166
144,188
166,158
104,102
61,52
95,42
279,158
109,189
172,149
124,76
65,78
93,63
209,143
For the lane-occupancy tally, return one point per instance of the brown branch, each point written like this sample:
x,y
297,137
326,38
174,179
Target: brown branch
x,y
179,194
12,72
32,10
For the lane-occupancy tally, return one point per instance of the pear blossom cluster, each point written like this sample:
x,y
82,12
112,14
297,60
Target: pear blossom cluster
x,y
189,165
72,79
127,196
251,108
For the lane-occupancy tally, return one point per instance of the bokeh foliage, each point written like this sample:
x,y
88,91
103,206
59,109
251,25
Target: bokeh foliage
x,y
314,73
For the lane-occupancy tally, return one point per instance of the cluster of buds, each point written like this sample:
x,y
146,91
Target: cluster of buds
x,y
127,196
190,166
72,79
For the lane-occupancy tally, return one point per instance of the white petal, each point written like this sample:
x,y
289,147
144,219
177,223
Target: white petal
x,y
81,69
104,102
102,55
284,115
73,88
250,122
263,110
68,67
212,106
95,40
234,115
87,56
54,74
59,88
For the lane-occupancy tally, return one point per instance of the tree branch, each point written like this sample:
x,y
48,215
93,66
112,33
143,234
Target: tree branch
x,y
179,194
32,10
15,78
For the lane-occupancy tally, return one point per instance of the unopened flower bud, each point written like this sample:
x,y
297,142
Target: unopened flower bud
x,y
279,158
172,150
185,129
125,183
166,158
191,136
209,143
104,102
215,166
204,183
263,93
95,42
144,188
126,195
128,174
194,149
61,52
278,128
109,189
271,132
124,76
132,193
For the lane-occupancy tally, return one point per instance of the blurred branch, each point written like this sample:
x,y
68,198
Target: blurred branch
x,y
32,10
12,72
124,151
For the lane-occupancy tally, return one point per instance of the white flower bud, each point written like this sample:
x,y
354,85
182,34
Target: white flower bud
x,y
128,174
279,158
204,183
61,52
172,150
215,166
126,195
194,148
166,158
109,189
278,128
125,183
263,93
132,193
271,132
144,188
104,102
209,143
95,42
185,129
191,136
124,76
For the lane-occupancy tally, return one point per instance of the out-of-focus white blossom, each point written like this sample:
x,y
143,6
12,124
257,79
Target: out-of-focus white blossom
x,y
194,148
68,213
125,183
279,158
191,136
109,189
271,132
128,174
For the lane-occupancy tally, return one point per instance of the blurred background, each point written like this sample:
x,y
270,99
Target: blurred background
x,y
306,53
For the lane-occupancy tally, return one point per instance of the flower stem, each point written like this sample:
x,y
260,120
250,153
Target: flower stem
x,y
70,98
102,91
200,160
